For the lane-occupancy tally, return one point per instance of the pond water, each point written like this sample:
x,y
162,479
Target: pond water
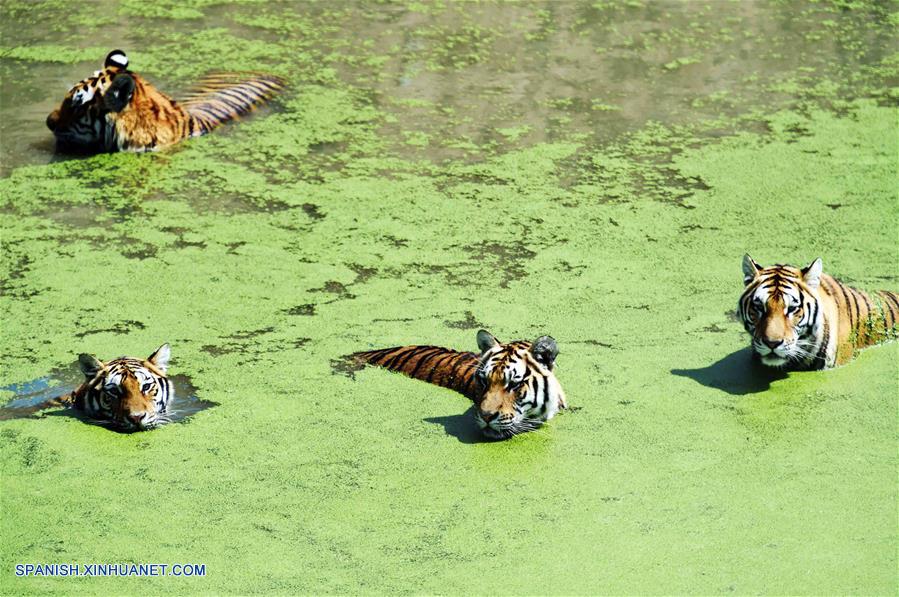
x,y
457,80
593,171
35,396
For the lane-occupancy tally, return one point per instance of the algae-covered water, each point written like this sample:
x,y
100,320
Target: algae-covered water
x,y
592,171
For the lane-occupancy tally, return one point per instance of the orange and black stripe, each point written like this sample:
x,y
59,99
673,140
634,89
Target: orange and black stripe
x,y
440,366
226,96
870,320
888,303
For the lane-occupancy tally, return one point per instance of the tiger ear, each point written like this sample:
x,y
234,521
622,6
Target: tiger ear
x,y
160,358
750,269
545,350
812,274
486,340
89,365
118,96
116,58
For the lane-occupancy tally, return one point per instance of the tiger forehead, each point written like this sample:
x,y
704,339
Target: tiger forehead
x,y
779,278
507,355
783,272
123,366
126,362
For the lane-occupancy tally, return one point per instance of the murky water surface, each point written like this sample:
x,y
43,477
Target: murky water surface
x,y
459,79
43,394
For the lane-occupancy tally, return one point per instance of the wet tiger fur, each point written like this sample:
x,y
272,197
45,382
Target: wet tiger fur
x,y
512,385
805,319
131,394
118,110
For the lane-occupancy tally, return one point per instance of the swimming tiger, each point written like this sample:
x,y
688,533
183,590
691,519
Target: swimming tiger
x,y
132,394
512,385
805,319
116,109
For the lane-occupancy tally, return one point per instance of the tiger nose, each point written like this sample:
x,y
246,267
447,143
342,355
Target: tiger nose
x,y
772,344
51,121
488,417
136,418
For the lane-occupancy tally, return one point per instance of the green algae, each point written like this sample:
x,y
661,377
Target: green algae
x,y
268,250
52,53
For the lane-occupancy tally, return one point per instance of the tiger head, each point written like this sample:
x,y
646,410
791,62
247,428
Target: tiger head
x,y
780,309
81,120
132,394
519,390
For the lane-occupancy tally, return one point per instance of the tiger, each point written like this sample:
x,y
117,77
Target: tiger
x,y
130,394
803,319
512,385
116,109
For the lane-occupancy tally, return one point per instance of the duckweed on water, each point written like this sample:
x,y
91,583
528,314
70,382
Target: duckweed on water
x,y
265,252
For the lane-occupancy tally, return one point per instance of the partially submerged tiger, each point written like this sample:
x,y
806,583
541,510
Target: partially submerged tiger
x,y
116,109
512,385
128,393
806,319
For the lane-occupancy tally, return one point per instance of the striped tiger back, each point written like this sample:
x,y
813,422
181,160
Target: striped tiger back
x,y
440,366
863,319
222,97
